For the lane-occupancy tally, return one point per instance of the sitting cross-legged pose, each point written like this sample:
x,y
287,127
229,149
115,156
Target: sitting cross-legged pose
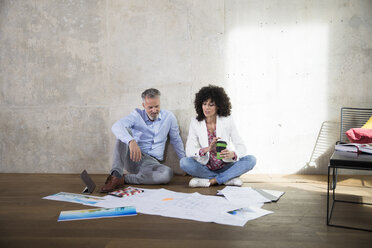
x,y
213,123
141,138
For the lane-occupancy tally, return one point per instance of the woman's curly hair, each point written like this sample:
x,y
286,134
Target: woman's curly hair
x,y
217,95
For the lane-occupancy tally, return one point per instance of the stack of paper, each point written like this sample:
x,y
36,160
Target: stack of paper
x,y
354,147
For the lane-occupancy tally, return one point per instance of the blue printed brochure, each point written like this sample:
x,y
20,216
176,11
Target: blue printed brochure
x,y
97,213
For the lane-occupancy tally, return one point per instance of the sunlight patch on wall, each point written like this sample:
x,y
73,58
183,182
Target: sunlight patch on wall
x,y
277,80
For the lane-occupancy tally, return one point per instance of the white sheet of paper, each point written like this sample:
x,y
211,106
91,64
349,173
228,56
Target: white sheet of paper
x,y
243,215
274,192
190,206
243,196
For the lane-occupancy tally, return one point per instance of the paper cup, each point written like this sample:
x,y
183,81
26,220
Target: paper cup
x,y
220,145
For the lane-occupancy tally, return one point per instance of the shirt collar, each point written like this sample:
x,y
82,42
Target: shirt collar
x,y
147,119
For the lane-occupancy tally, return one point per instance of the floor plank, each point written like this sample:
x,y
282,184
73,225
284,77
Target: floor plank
x,y
298,219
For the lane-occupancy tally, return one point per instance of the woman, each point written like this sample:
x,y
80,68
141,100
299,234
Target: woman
x,y
213,123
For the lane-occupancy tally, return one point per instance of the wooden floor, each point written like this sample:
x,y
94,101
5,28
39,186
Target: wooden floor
x,y
298,219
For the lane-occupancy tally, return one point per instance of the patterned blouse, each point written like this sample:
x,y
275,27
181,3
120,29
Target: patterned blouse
x,y
213,163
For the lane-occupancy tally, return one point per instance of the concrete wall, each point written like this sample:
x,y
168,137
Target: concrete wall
x,y
70,69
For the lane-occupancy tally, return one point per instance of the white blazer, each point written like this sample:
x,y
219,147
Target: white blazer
x,y
225,129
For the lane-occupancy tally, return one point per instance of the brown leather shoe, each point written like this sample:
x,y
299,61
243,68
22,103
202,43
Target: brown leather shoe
x,y
112,183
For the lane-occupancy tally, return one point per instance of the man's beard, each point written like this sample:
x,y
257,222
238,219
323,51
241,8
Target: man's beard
x,y
153,118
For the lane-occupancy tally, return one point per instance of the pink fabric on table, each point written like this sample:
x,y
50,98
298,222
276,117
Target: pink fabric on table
x,y
359,135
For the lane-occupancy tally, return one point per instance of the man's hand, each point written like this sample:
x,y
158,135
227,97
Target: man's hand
x,y
134,151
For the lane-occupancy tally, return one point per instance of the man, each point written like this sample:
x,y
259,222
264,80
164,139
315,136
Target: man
x,y
141,138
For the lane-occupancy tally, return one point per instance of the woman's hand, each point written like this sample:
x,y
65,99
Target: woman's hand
x,y
212,145
227,154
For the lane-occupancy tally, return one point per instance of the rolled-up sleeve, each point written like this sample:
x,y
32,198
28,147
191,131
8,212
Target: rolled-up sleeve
x,y
120,128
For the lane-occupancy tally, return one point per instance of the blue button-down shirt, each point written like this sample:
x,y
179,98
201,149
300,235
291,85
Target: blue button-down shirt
x,y
150,136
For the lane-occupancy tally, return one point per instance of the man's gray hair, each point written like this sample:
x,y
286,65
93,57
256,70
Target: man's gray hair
x,y
152,93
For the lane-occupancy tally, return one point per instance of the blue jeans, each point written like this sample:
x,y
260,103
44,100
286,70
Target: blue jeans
x,y
229,171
